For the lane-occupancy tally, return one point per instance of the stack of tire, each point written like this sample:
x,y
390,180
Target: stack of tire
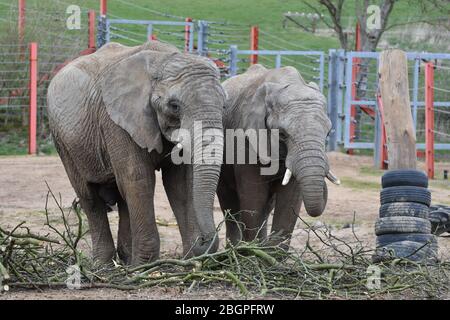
x,y
403,229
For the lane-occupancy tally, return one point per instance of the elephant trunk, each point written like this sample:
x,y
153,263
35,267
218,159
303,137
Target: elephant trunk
x,y
310,169
207,161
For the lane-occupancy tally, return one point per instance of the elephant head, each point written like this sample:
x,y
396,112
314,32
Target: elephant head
x,y
298,110
152,94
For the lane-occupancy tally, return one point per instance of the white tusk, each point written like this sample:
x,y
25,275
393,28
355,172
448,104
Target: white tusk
x,y
333,178
179,146
287,177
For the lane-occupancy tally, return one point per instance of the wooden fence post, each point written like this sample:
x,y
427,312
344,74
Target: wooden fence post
x,y
33,99
394,90
429,119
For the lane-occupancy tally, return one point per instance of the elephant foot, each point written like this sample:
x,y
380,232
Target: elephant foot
x,y
124,254
205,244
104,257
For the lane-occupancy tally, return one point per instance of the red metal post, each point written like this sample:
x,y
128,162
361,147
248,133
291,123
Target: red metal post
x,y
383,151
429,119
254,34
187,31
21,27
33,98
91,28
355,71
103,7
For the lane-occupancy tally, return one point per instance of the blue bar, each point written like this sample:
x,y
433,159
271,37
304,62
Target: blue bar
x,y
154,22
280,52
415,90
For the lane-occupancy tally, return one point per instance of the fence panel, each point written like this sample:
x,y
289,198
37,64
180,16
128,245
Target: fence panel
x,y
314,62
360,105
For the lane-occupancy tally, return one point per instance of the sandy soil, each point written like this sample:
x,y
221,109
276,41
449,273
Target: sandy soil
x,y
23,193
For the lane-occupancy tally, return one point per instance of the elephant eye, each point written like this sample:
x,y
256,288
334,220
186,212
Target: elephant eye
x,y
174,106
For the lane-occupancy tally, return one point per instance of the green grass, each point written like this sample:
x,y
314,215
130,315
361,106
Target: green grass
x,y
359,184
15,142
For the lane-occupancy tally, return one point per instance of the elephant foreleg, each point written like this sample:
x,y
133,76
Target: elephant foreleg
x,y
176,180
254,195
287,207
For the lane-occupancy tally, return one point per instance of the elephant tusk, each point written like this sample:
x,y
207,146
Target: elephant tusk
x,y
333,178
287,177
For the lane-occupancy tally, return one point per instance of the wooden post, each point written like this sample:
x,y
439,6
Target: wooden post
x,y
254,34
91,29
394,90
21,21
355,71
33,99
187,34
383,146
429,119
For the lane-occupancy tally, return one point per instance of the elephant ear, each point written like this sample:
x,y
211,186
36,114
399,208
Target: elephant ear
x,y
255,113
126,90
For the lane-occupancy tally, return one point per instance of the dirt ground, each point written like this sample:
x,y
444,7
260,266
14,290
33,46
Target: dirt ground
x,y
23,192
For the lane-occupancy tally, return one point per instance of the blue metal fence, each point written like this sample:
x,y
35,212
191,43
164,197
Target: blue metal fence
x,y
317,59
369,100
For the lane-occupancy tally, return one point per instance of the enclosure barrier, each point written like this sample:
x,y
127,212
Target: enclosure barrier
x,y
33,99
254,34
319,58
429,119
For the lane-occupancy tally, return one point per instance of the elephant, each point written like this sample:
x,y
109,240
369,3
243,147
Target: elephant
x,y
115,117
272,99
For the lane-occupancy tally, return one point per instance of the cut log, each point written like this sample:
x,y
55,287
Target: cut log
x,y
398,121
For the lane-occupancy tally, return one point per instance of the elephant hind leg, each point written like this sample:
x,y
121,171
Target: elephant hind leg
x,y
102,241
94,207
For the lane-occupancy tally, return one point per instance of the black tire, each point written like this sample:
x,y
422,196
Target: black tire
x,y
387,239
404,177
404,209
414,251
440,221
405,194
394,225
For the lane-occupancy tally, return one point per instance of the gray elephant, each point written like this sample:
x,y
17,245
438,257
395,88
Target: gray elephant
x,y
114,117
275,99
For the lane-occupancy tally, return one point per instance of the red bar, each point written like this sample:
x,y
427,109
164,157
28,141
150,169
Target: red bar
x,y
355,71
187,31
254,34
429,119
103,7
91,29
383,153
33,98
21,27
